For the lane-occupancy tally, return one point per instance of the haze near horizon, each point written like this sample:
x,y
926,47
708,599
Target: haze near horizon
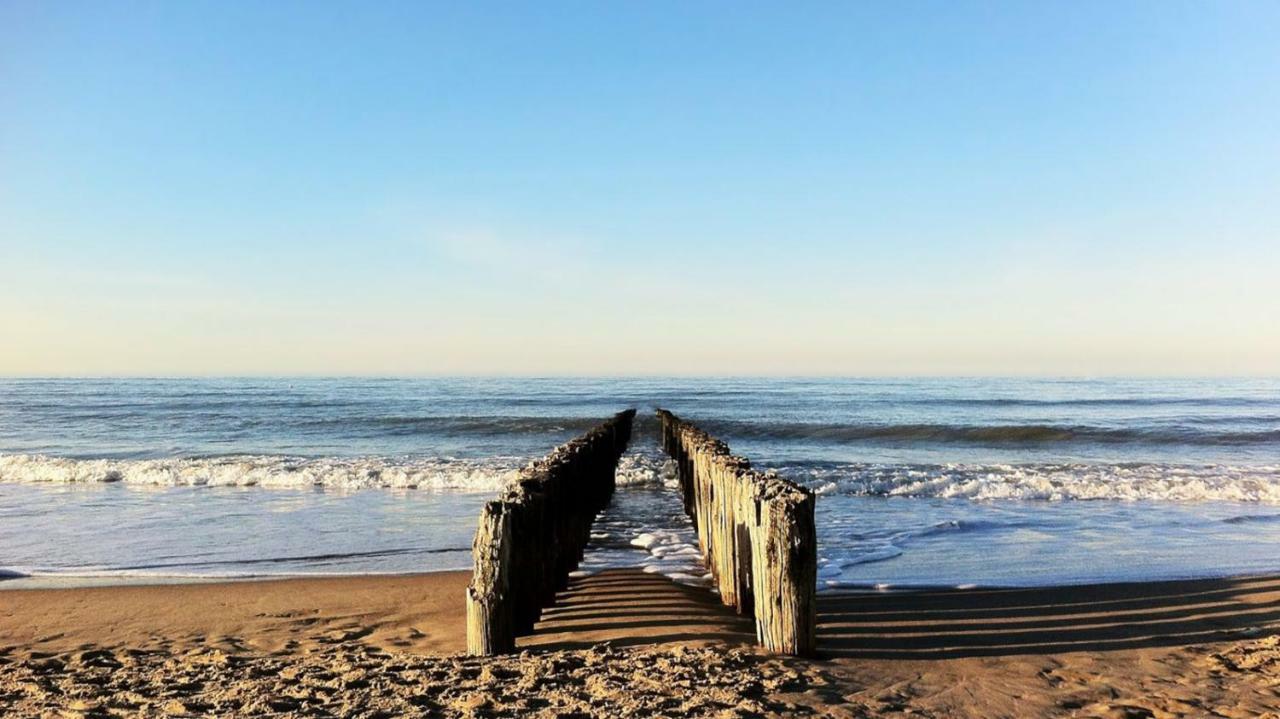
x,y
404,188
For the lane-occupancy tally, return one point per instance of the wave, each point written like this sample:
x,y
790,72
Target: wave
x,y
312,559
1252,519
463,425
266,471
1016,434
966,526
649,467
432,473
865,556
646,466
1047,482
1196,402
466,425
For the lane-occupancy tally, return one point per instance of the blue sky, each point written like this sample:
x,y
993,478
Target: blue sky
x,y
619,188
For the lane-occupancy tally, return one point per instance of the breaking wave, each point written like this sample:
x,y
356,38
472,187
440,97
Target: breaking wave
x,y
442,473
1047,482
461,425
266,471
646,466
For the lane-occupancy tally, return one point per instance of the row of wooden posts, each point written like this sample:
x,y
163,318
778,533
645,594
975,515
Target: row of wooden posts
x,y
757,534
756,531
534,534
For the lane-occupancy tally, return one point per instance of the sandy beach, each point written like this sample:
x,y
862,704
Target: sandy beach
x,y
628,643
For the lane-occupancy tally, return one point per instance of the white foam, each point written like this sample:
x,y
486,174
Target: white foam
x,y
267,471
1050,482
639,467
645,525
645,467
644,541
673,554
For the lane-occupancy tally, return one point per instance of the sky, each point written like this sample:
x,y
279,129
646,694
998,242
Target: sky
x,y
609,188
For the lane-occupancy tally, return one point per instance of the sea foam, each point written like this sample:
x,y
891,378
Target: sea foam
x,y
266,471
648,467
441,473
1048,482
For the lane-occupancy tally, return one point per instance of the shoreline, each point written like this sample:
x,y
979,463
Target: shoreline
x,y
54,534
627,641
67,582
29,582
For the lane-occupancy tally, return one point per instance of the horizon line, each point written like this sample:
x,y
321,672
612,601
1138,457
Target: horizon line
x,y
588,375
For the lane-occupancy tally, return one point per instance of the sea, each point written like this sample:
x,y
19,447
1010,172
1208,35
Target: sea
x,y
937,482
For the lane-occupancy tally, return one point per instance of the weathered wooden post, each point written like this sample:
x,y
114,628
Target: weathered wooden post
x,y
529,541
785,568
490,610
743,496
757,536
527,504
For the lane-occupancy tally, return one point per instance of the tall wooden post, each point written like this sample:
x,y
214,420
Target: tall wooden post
x,y
756,533
490,609
785,569
529,541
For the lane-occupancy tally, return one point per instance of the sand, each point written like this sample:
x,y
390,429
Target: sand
x,y
624,643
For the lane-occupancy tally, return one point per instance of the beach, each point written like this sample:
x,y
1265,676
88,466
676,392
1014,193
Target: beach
x,y
629,643
984,548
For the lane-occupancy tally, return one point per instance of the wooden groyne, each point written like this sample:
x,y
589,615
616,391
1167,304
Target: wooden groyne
x,y
533,535
757,535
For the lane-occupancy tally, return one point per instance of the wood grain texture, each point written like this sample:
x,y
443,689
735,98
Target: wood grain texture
x,y
757,535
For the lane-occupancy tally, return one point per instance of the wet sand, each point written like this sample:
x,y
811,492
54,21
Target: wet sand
x,y
627,643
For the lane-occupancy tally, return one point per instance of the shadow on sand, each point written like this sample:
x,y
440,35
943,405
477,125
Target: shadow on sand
x,y
628,607
1003,622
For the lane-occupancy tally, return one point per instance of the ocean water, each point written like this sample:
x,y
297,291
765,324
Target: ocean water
x,y
920,482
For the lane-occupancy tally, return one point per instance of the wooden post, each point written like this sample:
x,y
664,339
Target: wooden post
x,y
490,611
756,533
529,541
743,513
785,568
525,503
724,476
